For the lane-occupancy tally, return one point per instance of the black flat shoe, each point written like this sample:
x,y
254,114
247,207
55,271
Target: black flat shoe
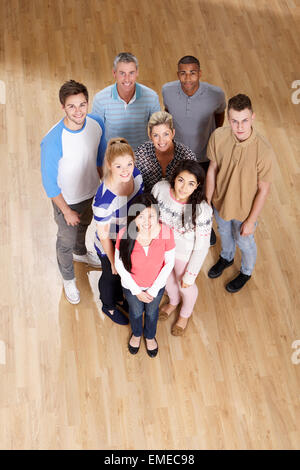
x,y
133,349
152,352
117,316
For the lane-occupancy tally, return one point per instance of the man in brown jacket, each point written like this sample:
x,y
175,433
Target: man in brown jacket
x,y
238,182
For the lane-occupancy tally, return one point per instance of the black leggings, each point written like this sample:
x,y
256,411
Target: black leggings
x,y
109,285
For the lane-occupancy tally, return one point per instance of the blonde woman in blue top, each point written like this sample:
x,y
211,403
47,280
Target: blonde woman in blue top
x,y
121,183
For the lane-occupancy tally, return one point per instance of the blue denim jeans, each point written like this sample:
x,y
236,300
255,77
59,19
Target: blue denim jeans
x,y
136,310
230,237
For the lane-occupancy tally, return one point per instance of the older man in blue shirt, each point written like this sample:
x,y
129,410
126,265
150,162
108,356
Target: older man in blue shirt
x,y
126,106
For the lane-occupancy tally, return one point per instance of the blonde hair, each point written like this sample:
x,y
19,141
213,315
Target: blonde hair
x,y
116,147
158,118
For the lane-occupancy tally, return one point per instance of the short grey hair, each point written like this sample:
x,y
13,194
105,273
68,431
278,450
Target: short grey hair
x,y
126,57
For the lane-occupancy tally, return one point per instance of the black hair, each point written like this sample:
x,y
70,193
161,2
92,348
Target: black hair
x,y
127,242
189,59
197,196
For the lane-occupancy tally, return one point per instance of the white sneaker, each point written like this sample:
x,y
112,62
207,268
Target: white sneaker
x,y
71,292
89,258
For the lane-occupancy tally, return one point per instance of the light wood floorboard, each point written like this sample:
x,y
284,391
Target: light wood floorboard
x,y
67,380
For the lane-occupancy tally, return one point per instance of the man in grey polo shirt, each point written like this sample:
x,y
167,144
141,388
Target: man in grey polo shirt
x,y
126,106
198,108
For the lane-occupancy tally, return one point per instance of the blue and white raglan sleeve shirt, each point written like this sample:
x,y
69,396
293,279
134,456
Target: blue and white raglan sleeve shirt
x,y
109,208
69,160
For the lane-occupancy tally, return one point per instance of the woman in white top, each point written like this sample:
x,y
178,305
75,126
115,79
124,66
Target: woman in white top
x,y
183,207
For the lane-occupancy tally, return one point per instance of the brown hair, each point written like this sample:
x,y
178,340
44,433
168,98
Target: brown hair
x,y
116,147
239,103
72,88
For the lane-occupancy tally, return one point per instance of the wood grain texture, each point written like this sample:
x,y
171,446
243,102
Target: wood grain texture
x,y
67,380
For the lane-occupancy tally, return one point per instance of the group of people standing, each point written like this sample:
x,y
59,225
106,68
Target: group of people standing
x,y
153,180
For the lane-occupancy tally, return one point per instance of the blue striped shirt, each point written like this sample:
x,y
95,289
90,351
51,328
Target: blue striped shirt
x,y
126,120
109,208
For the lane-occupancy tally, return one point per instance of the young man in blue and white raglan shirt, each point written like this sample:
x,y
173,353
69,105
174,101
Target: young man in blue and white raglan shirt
x,y
71,164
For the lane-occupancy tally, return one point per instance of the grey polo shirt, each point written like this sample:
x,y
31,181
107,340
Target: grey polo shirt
x,y
193,116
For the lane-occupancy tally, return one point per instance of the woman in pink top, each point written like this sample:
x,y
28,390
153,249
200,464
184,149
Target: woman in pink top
x,y
144,258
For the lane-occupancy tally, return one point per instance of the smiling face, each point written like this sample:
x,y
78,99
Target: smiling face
x,y
147,221
125,75
189,76
162,137
122,168
76,108
185,184
241,123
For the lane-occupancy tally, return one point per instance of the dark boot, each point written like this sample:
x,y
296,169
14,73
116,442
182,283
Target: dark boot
x,y
219,267
237,283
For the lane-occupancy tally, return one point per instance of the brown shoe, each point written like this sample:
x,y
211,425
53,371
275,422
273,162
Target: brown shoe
x,y
162,315
178,330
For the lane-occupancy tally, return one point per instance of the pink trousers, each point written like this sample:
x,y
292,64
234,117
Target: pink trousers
x,y
176,293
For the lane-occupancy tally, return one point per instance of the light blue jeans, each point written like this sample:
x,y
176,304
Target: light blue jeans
x,y
230,237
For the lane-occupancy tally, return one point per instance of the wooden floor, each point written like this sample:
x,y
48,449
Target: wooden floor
x,y
66,378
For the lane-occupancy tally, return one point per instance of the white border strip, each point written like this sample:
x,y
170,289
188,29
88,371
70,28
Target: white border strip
x,y
2,92
2,353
